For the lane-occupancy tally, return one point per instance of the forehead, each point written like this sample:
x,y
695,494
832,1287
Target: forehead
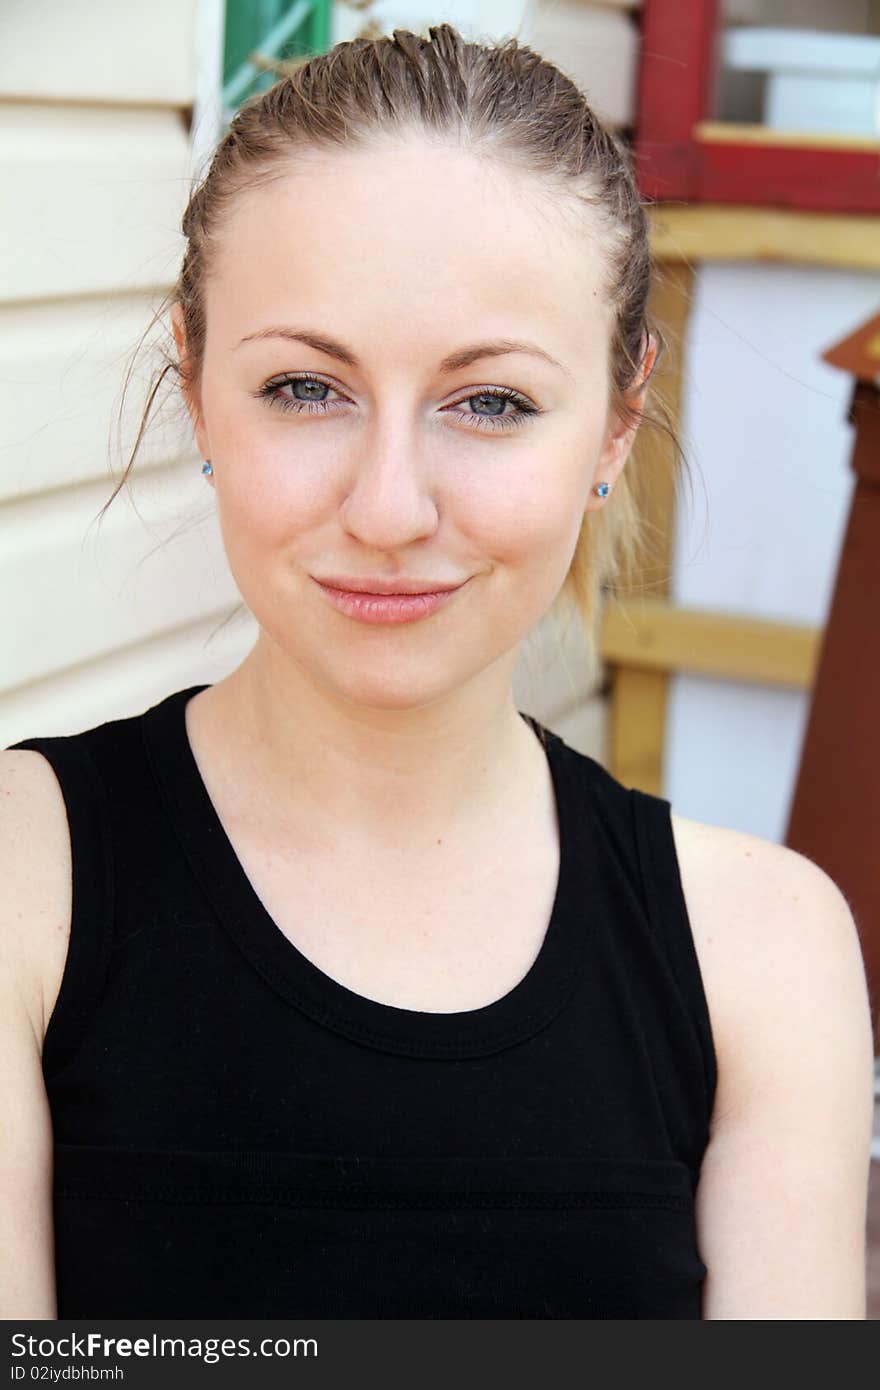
x,y
413,233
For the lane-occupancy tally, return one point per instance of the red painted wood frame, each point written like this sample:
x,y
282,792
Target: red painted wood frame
x,y
677,71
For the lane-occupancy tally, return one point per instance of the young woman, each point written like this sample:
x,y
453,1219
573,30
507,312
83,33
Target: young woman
x,y
341,988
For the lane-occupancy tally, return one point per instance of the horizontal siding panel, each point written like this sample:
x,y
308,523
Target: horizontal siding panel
x,y
61,373
596,47
72,590
98,50
92,199
127,681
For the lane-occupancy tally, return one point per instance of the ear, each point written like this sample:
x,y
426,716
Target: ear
x,y
621,436
188,389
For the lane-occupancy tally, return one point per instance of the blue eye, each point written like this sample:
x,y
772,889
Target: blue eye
x,y
273,393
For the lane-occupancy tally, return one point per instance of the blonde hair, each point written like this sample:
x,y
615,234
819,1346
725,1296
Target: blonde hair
x,y
509,103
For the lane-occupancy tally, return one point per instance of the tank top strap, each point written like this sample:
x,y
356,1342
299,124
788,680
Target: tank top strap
x,y
667,912
89,942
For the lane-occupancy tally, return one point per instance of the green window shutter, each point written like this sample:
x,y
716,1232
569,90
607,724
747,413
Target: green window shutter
x,y
274,30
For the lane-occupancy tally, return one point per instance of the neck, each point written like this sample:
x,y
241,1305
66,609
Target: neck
x,y
327,767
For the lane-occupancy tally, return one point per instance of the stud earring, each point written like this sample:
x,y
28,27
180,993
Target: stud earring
x,y
602,489
207,468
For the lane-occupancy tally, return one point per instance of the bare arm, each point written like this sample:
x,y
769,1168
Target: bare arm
x,y
34,919
782,1198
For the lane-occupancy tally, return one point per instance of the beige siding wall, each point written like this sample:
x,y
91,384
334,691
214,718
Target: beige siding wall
x,y
98,620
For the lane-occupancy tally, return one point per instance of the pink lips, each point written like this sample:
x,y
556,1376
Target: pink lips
x,y
387,607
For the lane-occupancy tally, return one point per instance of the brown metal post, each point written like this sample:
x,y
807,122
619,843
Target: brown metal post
x,y
835,813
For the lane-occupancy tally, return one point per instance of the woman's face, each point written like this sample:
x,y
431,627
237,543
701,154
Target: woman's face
x,y
346,446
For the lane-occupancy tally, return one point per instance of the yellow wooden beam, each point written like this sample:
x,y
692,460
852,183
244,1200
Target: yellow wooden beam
x,y
753,133
730,232
653,460
637,702
653,635
636,727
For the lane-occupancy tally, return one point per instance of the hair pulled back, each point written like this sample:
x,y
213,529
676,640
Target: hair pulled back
x,y
504,101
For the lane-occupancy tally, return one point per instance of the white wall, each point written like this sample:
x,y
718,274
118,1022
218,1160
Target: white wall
x,y
766,424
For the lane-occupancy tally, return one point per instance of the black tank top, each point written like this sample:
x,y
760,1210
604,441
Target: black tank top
x,y
237,1134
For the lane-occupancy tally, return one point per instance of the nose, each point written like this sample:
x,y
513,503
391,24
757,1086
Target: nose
x,y
390,502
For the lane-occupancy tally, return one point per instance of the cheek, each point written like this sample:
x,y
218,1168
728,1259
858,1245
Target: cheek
x,y
267,492
529,516
268,528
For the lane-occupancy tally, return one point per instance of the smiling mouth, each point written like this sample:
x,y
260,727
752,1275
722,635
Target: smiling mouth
x,y
389,588
388,608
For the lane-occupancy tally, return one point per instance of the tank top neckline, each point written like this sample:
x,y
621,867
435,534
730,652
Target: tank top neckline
x,y
529,1006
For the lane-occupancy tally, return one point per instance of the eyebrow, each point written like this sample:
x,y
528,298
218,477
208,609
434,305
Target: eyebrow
x,y
497,347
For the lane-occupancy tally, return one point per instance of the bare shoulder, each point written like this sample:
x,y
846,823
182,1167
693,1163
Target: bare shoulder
x,y
35,862
34,914
782,1197
729,879
757,908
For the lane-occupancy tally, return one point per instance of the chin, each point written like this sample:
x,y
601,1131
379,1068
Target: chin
x,y
384,689
411,696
